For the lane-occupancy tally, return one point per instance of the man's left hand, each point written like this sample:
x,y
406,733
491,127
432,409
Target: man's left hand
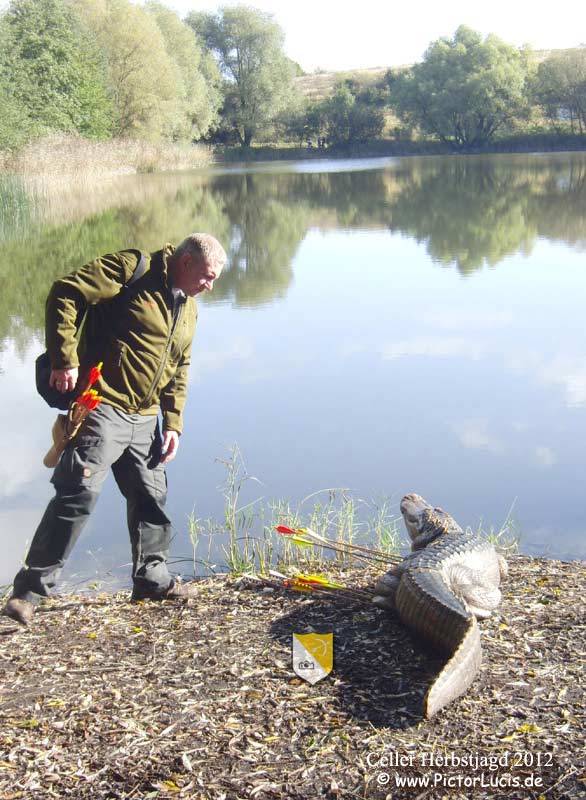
x,y
169,446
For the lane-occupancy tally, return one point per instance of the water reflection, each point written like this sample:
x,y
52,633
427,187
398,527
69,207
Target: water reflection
x,y
266,229
376,368
469,213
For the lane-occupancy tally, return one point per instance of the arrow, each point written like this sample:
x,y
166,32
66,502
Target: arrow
x,y
305,536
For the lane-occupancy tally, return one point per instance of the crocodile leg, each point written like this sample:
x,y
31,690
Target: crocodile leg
x,y
478,591
386,591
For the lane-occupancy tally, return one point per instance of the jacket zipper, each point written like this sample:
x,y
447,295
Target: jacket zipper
x,y
177,306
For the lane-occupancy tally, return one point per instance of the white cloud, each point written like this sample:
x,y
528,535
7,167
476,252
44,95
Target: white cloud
x,y
435,347
545,456
458,319
565,371
569,372
473,434
27,426
240,349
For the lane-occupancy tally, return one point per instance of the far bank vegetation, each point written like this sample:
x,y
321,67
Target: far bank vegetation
x,y
110,86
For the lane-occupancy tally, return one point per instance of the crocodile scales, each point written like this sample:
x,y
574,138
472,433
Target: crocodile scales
x,y
450,579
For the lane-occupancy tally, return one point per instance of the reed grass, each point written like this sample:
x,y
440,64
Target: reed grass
x,y
17,207
250,543
66,157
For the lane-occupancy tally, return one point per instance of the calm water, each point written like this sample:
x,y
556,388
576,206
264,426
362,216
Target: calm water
x,y
385,326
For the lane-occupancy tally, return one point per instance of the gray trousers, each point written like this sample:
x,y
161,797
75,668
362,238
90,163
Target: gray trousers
x,y
131,445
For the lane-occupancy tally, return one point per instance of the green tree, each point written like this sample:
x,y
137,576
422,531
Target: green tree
x,y
196,76
142,77
302,125
53,70
15,124
464,91
348,119
560,88
258,77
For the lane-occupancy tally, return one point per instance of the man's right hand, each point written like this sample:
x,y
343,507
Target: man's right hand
x,y
64,380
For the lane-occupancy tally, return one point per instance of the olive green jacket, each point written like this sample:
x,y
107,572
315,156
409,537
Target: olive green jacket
x,y
141,333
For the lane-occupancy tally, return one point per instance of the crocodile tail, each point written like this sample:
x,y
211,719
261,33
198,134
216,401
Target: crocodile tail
x,y
457,674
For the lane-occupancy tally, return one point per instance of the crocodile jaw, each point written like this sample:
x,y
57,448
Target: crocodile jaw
x,y
425,523
412,508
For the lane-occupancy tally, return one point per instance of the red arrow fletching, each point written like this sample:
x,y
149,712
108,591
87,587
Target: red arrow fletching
x,y
284,529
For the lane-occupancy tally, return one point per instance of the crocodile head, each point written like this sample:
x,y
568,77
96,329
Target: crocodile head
x,y
423,522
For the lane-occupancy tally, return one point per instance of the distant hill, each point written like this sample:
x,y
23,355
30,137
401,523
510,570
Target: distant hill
x,y
320,85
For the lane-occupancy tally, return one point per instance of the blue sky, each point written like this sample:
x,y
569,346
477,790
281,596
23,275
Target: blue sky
x,y
374,33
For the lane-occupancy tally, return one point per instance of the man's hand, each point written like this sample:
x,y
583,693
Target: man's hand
x,y
169,446
64,380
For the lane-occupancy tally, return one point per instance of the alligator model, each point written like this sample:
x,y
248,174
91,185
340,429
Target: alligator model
x,y
450,579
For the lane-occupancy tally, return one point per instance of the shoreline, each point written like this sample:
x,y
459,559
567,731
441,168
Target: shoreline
x,y
397,149
101,698
60,159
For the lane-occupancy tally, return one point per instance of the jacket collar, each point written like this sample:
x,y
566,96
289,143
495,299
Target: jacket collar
x,y
166,253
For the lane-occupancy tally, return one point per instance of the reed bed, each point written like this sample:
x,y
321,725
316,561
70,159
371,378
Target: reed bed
x,y
66,157
358,530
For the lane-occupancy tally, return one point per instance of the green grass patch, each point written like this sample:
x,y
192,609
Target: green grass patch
x,y
249,541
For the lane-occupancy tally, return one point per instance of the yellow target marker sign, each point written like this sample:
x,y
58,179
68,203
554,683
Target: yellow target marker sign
x,y
313,655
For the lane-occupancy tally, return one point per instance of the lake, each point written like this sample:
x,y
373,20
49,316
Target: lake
x,y
383,326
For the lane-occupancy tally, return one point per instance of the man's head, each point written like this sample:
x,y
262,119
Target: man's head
x,y
196,263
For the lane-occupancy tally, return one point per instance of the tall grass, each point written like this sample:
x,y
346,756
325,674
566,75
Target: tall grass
x,y
247,540
17,206
63,157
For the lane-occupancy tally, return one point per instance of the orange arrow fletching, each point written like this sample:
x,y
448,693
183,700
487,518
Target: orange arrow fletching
x,y
89,400
95,373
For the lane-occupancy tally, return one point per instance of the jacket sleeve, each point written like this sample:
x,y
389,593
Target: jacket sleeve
x,y
174,394
70,296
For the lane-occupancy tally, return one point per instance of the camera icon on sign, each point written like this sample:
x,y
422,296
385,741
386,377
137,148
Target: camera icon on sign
x,y
305,665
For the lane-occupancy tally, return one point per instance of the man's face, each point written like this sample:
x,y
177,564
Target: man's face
x,y
195,275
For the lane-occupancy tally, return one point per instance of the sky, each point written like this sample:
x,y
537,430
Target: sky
x,y
380,33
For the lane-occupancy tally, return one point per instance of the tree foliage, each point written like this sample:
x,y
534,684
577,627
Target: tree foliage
x,y
560,88
348,118
464,91
52,72
195,73
258,77
141,76
351,115
15,123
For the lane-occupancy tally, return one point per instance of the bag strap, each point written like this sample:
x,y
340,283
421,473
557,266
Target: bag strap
x,y
136,276
138,272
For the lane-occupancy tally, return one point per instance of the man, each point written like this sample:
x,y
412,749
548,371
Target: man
x,y
142,331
